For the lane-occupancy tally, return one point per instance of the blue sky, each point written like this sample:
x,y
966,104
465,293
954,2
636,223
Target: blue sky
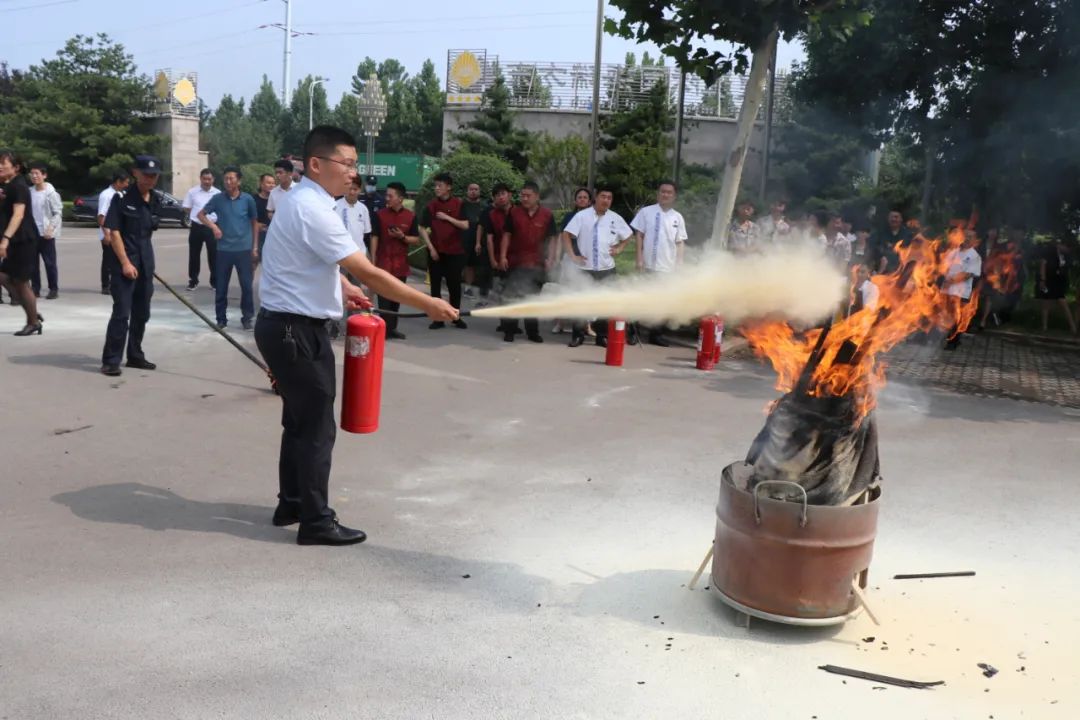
x,y
221,39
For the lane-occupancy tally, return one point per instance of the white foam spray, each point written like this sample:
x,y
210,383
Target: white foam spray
x,y
799,284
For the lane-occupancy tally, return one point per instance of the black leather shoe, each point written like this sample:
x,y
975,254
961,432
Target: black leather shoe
x,y
395,335
53,294
601,342
334,534
536,338
110,370
286,514
461,324
437,325
143,364
577,341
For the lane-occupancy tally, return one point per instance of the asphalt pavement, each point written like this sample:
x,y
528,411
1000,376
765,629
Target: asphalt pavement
x,y
534,517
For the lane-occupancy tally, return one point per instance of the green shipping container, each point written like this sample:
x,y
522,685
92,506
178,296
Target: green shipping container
x,y
410,170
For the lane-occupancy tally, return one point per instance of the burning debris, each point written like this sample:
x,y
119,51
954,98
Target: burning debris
x,y
822,433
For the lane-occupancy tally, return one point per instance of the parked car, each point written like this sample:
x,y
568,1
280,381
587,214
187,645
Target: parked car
x,y
85,208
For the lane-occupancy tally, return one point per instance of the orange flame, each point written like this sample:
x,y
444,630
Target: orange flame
x,y
1002,268
849,363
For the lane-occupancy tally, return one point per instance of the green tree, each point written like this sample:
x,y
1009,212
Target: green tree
x,y
265,111
637,142
494,130
527,87
81,112
234,138
559,165
294,122
696,35
428,94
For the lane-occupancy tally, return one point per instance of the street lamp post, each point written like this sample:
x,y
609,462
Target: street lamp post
x,y
372,116
311,101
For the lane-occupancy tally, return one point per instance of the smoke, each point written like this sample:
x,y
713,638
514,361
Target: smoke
x,y
798,284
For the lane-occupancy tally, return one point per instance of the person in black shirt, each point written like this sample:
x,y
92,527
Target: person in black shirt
x,y
130,223
19,243
477,267
885,243
374,199
266,184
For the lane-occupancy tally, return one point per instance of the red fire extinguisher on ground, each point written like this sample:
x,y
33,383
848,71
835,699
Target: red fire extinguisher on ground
x,y
361,388
707,343
616,343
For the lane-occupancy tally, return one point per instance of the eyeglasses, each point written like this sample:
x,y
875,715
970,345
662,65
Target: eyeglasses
x,y
351,165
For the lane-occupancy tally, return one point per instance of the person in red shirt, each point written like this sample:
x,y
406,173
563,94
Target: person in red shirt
x,y
441,223
527,251
393,230
491,229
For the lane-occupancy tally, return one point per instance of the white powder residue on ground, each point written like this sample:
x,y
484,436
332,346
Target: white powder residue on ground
x,y
798,284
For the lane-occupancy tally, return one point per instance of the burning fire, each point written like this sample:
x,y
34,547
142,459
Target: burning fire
x,y
848,360
1002,268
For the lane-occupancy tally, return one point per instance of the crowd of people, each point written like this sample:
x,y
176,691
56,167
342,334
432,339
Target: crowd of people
x,y
478,243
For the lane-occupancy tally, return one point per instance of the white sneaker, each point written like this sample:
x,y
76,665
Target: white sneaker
x,y
557,328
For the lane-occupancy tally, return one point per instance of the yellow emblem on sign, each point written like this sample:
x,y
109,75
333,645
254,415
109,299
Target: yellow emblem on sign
x,y
161,86
184,92
466,70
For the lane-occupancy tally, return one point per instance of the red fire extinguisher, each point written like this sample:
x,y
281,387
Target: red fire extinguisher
x,y
718,353
707,343
616,343
361,388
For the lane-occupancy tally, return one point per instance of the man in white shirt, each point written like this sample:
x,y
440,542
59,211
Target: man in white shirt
x,y
199,234
302,292
355,215
660,232
119,184
774,229
963,265
284,174
601,234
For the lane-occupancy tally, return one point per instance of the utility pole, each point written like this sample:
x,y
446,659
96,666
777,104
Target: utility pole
x,y
311,100
680,108
286,91
595,135
768,130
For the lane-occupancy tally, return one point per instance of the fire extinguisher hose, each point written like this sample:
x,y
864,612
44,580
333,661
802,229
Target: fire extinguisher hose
x,y
213,326
407,316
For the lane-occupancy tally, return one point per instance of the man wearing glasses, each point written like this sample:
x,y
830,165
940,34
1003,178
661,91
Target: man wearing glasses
x,y
302,293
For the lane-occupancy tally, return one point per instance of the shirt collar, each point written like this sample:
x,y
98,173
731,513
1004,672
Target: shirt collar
x,y
320,192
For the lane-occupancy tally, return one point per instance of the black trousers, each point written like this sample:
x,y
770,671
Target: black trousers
x,y
449,267
600,324
106,269
130,313
47,253
198,235
307,383
388,304
521,283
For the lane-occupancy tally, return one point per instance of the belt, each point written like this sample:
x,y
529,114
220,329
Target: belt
x,y
292,317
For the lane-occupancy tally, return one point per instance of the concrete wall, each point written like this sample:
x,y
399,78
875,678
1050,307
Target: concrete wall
x,y
183,160
706,141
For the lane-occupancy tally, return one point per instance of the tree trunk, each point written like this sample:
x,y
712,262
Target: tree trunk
x,y
752,97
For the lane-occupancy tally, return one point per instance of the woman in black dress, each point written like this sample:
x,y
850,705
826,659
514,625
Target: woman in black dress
x,y
19,242
1053,281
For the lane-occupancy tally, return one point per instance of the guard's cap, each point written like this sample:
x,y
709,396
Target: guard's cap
x,y
371,180
148,164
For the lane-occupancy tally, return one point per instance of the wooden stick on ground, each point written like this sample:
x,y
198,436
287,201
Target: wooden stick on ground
x,y
701,569
862,599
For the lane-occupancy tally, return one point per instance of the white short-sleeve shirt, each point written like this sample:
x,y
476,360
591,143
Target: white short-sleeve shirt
x,y
277,197
357,220
596,235
663,231
104,199
304,244
196,199
964,260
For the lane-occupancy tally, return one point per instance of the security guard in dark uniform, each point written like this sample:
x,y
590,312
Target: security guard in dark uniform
x,y
372,198
131,221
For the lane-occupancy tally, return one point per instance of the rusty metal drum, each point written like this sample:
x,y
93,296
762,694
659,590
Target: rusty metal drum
x,y
786,561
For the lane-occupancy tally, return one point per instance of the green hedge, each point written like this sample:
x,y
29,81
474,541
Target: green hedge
x,y
465,168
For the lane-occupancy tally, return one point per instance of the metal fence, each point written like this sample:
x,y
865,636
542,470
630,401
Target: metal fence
x,y
569,86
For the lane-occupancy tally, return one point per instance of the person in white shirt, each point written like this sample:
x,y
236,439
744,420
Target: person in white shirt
x,y
284,174
199,234
302,292
963,266
774,229
601,234
48,211
660,233
864,293
354,214
119,184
